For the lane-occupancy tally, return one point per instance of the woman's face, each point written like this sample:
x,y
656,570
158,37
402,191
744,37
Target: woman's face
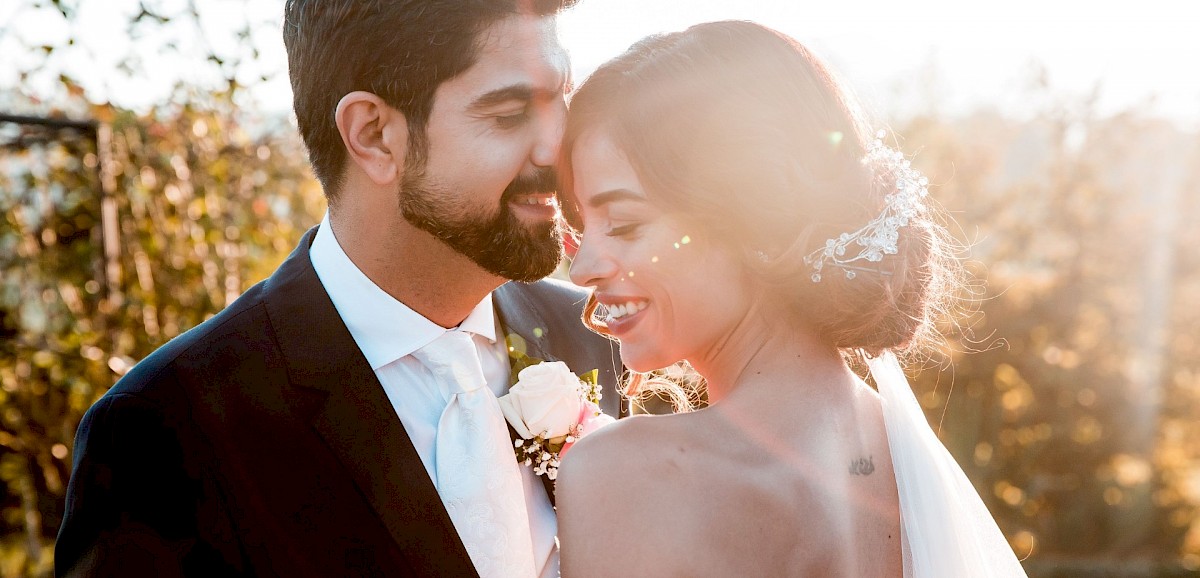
x,y
670,293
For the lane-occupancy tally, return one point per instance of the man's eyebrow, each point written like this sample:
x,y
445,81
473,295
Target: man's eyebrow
x,y
600,199
516,92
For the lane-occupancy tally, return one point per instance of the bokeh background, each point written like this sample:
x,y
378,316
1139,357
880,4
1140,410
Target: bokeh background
x,y
150,172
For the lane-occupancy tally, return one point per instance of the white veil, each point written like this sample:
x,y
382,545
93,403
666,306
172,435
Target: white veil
x,y
946,530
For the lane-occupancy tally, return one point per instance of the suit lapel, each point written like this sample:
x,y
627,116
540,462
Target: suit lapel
x,y
525,332
528,324
355,419
524,329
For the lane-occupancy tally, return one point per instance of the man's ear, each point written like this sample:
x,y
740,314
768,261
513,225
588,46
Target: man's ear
x,y
375,135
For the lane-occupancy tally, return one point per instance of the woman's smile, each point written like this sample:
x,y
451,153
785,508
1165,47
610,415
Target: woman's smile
x,y
621,314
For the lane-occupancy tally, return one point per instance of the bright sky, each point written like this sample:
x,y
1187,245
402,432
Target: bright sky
x,y
957,54
900,56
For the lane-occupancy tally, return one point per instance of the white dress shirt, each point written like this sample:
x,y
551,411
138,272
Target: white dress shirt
x,y
387,332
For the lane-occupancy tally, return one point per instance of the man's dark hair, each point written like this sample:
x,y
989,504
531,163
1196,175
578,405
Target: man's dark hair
x,y
400,50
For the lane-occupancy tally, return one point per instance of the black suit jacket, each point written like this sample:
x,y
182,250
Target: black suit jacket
x,y
260,443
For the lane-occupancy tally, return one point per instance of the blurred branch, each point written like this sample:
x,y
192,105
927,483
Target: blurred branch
x,y
55,123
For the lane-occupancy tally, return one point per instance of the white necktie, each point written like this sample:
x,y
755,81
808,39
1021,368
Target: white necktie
x,y
477,471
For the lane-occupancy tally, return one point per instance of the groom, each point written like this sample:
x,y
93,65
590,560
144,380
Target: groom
x,y
313,427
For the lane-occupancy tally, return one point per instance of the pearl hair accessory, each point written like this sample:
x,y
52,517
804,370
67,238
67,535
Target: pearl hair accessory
x,y
878,237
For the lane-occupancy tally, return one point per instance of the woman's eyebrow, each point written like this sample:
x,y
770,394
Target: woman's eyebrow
x,y
600,199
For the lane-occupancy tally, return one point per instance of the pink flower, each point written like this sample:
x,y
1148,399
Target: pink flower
x,y
590,419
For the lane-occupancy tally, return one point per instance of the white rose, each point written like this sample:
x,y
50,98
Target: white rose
x,y
545,399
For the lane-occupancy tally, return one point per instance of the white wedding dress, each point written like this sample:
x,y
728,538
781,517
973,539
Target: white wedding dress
x,y
946,530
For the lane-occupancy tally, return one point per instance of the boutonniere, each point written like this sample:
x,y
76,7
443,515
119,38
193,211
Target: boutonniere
x,y
551,408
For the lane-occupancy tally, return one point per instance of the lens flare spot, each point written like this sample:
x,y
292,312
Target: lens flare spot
x,y
835,137
685,240
516,343
654,259
1023,543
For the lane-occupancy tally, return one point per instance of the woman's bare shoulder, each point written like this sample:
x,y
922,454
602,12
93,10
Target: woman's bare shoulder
x,y
610,500
612,454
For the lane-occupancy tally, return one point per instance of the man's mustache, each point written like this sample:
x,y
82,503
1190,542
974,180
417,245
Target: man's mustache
x,y
545,180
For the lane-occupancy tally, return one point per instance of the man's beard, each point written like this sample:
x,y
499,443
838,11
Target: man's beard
x,y
501,244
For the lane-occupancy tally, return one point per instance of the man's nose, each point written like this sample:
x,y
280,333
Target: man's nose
x,y
549,137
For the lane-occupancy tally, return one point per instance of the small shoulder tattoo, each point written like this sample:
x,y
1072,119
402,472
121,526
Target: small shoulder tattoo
x,y
862,466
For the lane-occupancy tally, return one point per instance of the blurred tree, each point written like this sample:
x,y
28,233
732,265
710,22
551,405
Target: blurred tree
x,y
116,238
199,211
1070,420
135,49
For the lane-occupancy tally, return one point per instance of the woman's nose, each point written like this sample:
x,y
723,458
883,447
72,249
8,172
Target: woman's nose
x,y
592,265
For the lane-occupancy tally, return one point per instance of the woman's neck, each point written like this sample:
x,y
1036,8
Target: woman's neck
x,y
761,350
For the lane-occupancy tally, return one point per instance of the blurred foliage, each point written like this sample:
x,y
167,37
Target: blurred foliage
x,y
113,240
200,211
1071,401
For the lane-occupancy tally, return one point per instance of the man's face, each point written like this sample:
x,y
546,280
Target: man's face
x,y
486,184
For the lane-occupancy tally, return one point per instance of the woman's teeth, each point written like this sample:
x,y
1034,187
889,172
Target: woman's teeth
x,y
618,311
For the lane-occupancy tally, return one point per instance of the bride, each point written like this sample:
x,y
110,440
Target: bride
x,y
735,214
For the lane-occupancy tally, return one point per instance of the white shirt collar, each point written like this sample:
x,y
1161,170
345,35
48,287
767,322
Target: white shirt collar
x,y
384,328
